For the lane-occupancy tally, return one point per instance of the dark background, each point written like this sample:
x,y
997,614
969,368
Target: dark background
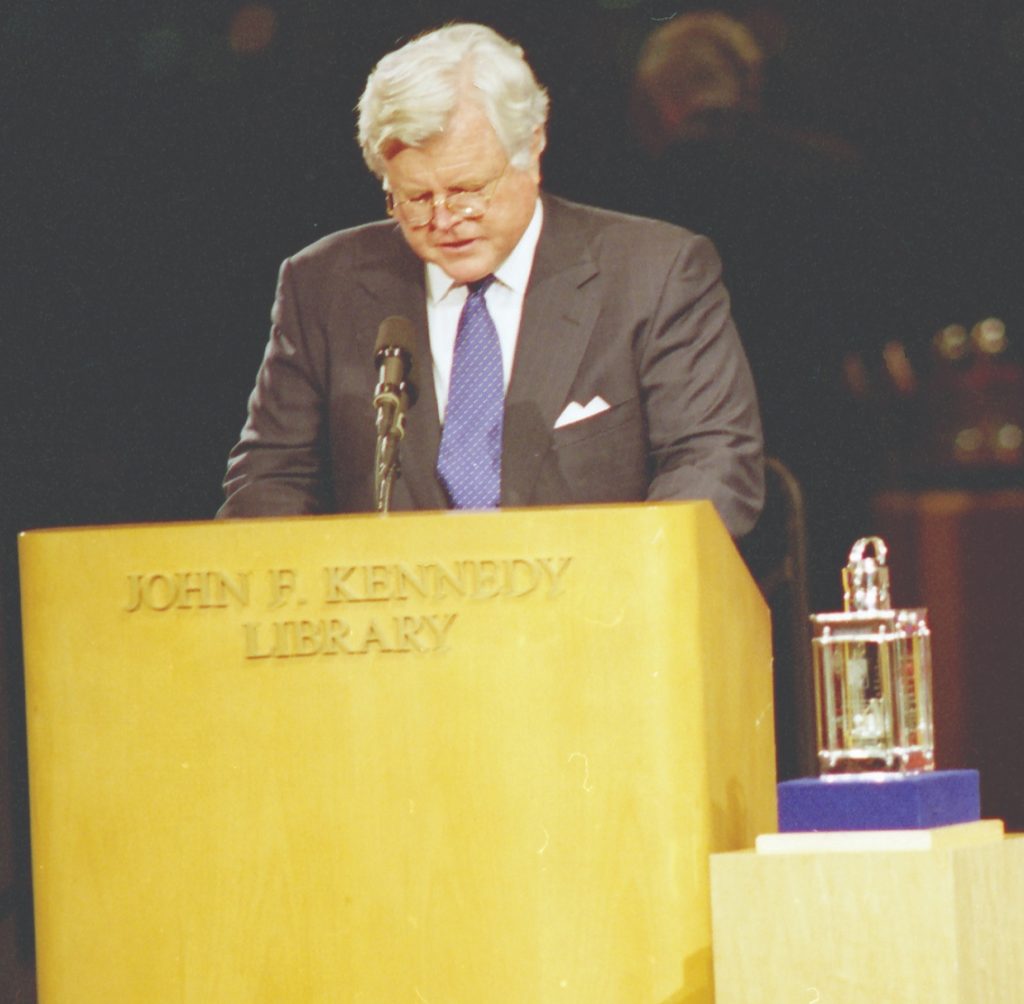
x,y
159,159
153,178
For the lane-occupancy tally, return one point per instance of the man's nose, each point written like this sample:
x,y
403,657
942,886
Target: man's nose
x,y
444,218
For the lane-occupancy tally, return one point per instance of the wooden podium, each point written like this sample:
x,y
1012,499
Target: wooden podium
x,y
438,758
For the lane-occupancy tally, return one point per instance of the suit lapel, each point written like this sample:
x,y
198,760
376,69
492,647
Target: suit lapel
x,y
559,313
400,291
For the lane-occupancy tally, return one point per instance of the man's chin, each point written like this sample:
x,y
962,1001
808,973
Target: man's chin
x,y
466,265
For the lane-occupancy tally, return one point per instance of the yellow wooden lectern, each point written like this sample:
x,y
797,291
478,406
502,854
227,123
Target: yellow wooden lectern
x,y
414,759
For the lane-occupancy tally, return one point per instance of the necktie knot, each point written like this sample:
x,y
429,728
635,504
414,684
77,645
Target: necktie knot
x,y
480,286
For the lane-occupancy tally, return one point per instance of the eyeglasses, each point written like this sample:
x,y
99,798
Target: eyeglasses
x,y
466,203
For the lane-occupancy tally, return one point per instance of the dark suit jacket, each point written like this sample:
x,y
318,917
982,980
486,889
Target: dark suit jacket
x,y
627,309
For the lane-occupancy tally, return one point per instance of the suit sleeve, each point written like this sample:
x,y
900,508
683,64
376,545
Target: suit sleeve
x,y
703,423
278,466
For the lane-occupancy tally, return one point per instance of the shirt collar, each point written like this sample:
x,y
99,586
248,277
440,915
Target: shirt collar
x,y
513,272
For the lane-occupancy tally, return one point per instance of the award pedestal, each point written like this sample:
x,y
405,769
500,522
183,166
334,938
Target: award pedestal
x,y
880,801
885,884
914,916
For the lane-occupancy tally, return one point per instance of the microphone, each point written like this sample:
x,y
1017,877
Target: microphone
x,y
395,393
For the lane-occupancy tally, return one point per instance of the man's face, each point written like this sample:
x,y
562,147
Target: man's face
x,y
466,156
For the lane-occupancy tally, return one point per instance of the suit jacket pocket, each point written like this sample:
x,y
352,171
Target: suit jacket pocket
x,y
603,458
624,413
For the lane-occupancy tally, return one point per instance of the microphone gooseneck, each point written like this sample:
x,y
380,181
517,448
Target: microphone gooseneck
x,y
394,394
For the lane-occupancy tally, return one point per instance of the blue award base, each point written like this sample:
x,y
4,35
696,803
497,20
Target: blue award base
x,y
879,801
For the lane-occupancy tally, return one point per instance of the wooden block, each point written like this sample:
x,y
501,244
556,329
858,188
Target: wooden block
x,y
939,926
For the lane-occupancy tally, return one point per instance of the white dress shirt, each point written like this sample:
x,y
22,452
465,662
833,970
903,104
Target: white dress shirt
x,y
446,298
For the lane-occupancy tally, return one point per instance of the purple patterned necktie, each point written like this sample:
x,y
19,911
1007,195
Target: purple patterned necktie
x,y
469,461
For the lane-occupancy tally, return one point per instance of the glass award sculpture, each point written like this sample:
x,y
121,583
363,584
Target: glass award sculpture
x,y
872,675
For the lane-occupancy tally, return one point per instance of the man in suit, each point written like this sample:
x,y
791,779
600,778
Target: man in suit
x,y
621,370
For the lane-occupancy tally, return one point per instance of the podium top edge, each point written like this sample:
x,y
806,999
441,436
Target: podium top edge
x,y
464,514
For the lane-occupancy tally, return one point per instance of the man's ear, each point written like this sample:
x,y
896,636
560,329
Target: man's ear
x,y
537,144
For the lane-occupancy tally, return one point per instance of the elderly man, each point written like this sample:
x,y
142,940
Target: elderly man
x,y
565,354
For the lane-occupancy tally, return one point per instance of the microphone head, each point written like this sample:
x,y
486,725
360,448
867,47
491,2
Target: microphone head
x,y
395,333
394,354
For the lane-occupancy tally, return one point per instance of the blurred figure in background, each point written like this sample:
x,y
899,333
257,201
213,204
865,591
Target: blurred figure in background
x,y
791,215
695,74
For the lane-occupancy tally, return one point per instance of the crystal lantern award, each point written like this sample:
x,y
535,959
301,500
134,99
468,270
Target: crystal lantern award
x,y
872,676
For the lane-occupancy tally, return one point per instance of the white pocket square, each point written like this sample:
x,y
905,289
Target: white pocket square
x,y
576,412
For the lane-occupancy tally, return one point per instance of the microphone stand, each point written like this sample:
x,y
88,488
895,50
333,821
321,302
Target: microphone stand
x,y
390,400
386,467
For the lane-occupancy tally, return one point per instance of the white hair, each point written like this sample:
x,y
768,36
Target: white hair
x,y
412,92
